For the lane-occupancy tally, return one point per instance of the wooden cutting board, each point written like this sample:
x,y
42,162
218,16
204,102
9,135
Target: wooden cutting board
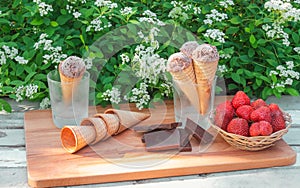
x,y
124,157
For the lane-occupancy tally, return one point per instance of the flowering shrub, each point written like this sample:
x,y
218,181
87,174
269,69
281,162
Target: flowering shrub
x,y
258,44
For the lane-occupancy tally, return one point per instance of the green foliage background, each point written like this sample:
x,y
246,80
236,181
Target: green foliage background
x,y
253,54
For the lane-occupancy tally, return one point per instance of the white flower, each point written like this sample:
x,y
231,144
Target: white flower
x,y
54,55
2,58
102,3
88,62
44,8
21,60
125,58
126,11
27,91
140,96
215,16
215,34
297,49
76,14
98,25
45,103
222,68
151,18
112,95
226,3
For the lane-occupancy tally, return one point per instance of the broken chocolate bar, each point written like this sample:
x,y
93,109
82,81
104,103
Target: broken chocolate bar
x,y
167,140
197,131
156,127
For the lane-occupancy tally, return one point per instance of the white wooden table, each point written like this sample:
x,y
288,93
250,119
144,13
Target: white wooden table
x,y
13,172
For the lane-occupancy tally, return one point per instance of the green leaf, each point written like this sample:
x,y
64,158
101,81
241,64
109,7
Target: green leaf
x,y
54,24
266,92
232,30
261,41
16,3
236,20
295,37
251,52
5,106
272,62
62,19
252,39
236,77
37,21
202,28
29,76
4,21
292,91
109,79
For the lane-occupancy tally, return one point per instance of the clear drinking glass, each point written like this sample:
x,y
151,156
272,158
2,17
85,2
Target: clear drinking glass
x,y
73,111
188,100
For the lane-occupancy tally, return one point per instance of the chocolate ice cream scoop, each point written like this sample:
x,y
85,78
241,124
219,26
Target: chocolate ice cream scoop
x,y
205,53
188,48
72,67
178,62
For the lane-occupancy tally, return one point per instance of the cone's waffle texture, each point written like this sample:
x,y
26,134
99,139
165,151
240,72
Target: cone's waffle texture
x,y
99,126
127,118
69,85
74,138
111,122
186,75
205,73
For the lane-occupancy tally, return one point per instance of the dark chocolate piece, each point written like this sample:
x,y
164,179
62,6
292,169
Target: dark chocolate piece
x,y
156,127
197,131
167,140
185,145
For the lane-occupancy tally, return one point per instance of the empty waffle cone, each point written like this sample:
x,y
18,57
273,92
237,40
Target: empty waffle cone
x,y
111,121
99,126
127,118
74,138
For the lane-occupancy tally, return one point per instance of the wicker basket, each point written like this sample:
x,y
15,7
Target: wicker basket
x,y
253,143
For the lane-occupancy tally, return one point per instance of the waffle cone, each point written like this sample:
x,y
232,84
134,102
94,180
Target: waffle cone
x,y
205,71
204,95
186,75
74,138
68,85
111,121
185,81
127,118
99,126
205,74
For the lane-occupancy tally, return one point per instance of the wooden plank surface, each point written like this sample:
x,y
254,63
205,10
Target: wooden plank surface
x,y
124,158
286,176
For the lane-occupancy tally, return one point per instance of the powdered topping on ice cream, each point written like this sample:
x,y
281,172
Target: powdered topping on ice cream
x,y
178,62
205,53
72,67
188,48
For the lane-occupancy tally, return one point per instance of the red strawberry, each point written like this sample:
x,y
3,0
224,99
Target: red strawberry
x,y
278,122
274,109
244,112
254,129
261,114
238,126
258,103
239,99
262,128
224,114
265,128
